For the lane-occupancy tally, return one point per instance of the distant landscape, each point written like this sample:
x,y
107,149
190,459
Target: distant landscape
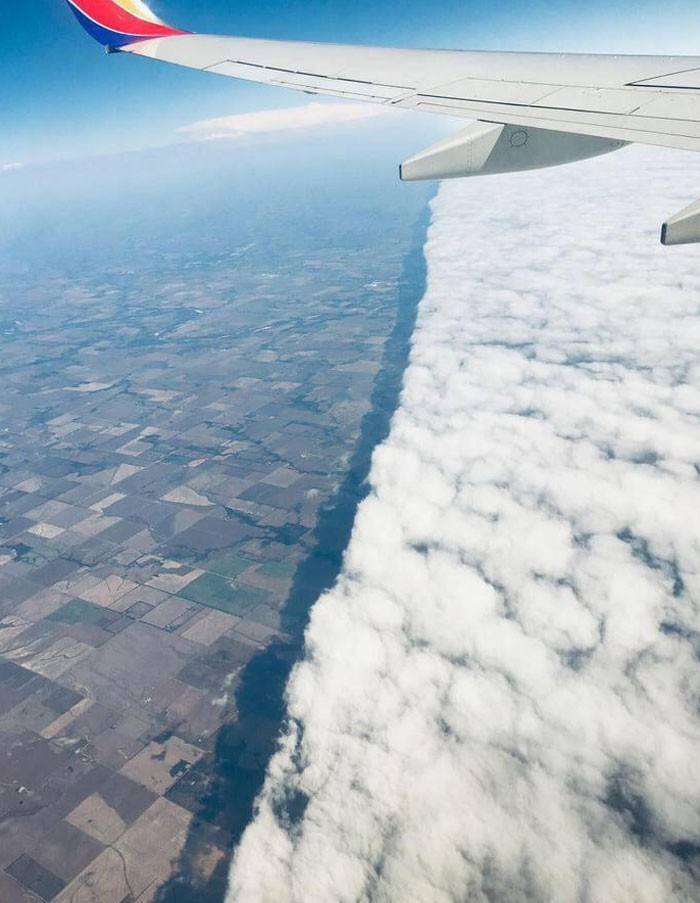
x,y
193,380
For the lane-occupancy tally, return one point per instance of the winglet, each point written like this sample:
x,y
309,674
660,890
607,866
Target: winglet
x,y
118,23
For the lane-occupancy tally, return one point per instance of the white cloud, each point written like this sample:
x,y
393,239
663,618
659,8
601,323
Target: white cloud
x,y
10,167
499,697
310,115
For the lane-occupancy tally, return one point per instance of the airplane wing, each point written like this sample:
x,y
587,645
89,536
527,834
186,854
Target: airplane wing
x,y
531,109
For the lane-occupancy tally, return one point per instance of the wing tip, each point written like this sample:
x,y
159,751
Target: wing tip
x,y
118,23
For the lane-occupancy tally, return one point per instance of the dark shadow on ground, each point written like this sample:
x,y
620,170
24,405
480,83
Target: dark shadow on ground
x,y
232,776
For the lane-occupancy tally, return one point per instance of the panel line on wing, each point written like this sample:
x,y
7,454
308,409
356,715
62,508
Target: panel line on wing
x,y
318,75
631,129
659,81
535,107
638,112
662,88
523,106
310,82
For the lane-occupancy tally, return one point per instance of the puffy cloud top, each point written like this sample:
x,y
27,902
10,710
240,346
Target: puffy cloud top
x,y
499,699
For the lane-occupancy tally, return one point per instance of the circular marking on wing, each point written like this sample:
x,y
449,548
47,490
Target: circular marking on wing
x,y
519,138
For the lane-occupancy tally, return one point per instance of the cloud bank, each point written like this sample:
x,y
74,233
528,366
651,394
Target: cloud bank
x,y
499,700
311,115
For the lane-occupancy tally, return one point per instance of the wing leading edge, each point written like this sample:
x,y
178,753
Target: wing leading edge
x,y
534,109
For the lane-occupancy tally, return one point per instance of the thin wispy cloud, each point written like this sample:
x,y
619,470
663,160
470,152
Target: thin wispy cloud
x,y
11,167
311,115
499,698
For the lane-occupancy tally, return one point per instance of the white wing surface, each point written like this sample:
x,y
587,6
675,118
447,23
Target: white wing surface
x,y
649,99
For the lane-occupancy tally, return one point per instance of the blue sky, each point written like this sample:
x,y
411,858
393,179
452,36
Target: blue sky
x,y
62,98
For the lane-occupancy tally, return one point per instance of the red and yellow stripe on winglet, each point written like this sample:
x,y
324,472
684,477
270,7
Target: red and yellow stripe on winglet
x,y
117,23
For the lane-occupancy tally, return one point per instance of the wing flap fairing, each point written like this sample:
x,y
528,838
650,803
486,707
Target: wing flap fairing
x,y
487,149
683,228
